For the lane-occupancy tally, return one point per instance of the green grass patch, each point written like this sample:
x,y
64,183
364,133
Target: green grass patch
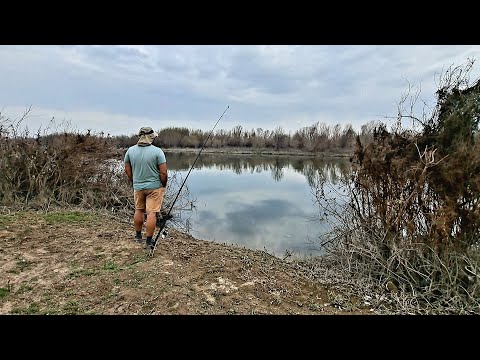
x,y
23,289
111,266
22,265
81,272
68,217
48,297
31,309
140,258
5,220
3,292
71,308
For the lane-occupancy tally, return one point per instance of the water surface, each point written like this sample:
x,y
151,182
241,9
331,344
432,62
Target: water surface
x,y
259,202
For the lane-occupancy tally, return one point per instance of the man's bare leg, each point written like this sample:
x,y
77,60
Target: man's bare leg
x,y
138,219
151,223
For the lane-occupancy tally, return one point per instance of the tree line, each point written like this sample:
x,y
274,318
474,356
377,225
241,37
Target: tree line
x,y
318,137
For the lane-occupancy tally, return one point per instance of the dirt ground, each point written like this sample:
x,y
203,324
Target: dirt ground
x,y
85,263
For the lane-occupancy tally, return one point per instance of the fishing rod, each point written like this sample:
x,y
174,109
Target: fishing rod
x,y
154,245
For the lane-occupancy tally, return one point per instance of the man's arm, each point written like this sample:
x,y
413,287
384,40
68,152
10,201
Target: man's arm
x,y
163,173
128,171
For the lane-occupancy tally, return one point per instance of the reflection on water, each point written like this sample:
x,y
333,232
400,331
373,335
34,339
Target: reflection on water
x,y
259,202
332,169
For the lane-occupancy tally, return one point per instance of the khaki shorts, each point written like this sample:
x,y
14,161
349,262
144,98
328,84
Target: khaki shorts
x,y
151,200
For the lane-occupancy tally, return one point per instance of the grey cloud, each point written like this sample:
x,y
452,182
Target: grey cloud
x,y
266,86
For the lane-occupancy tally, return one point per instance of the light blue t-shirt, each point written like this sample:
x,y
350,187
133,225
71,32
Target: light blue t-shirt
x,y
144,161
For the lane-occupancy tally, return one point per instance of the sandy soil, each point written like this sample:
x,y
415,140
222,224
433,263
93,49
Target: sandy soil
x,y
85,263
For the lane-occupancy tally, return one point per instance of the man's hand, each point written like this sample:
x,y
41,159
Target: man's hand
x,y
162,168
128,171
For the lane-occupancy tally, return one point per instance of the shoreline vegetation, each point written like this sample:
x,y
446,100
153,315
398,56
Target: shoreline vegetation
x,y
405,240
260,152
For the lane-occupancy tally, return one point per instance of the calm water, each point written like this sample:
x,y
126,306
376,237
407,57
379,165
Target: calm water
x,y
259,202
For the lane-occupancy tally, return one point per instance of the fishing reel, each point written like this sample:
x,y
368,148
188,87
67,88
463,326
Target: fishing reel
x,y
164,233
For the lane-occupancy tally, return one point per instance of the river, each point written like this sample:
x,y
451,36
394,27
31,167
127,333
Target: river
x,y
258,202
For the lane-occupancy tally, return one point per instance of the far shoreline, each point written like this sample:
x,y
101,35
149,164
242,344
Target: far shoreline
x,y
260,152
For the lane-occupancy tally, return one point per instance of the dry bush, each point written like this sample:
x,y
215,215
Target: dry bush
x,y
61,168
68,168
411,220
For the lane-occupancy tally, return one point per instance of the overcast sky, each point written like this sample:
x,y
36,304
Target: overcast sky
x,y
118,89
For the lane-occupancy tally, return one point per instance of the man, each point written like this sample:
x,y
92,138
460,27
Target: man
x,y
146,168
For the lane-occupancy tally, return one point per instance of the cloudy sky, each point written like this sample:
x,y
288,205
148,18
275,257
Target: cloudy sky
x,y
118,89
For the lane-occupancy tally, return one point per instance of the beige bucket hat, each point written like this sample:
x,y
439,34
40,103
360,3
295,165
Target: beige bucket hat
x,y
146,136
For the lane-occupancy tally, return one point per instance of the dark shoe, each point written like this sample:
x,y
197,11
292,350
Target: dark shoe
x,y
149,244
137,239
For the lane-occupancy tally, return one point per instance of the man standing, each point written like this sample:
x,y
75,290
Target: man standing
x,y
146,168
